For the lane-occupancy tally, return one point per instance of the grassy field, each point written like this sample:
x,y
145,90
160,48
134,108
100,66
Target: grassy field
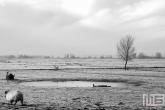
x,y
143,77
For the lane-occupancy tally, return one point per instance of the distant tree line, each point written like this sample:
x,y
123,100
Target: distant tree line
x,y
141,55
72,56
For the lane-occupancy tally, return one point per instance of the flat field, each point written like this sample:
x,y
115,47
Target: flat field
x,y
144,76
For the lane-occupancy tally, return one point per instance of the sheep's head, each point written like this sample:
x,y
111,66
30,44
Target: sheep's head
x,y
6,92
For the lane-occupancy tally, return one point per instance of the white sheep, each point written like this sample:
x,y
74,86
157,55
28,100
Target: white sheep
x,y
14,96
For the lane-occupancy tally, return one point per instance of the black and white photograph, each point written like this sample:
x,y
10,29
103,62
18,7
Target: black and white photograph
x,y
82,54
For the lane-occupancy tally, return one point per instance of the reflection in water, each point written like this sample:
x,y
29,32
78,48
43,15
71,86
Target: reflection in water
x,y
73,84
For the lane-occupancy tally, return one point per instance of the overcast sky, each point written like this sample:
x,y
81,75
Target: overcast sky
x,y
82,27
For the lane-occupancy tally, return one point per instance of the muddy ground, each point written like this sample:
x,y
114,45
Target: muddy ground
x,y
141,81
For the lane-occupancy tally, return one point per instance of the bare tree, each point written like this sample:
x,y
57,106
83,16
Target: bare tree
x,y
125,49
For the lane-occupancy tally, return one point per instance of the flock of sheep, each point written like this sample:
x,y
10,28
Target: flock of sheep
x,y
13,95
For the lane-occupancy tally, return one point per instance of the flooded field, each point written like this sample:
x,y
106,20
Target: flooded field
x,y
148,78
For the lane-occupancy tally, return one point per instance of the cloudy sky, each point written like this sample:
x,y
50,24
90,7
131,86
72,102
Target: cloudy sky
x,y
82,27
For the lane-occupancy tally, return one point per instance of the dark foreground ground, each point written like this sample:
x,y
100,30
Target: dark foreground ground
x,y
142,81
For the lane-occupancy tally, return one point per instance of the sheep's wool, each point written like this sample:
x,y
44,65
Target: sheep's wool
x,y
14,95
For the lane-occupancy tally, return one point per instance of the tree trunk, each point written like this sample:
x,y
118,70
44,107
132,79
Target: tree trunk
x,y
125,65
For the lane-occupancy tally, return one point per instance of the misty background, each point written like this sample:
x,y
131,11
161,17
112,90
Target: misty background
x,y
81,27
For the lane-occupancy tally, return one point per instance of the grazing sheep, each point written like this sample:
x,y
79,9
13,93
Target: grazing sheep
x,y
14,96
9,76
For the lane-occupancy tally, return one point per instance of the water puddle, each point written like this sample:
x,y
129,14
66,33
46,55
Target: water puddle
x,y
74,84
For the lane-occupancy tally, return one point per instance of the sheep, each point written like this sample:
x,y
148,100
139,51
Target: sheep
x,y
9,76
14,96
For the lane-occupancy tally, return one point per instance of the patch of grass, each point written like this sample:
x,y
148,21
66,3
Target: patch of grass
x,y
136,83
